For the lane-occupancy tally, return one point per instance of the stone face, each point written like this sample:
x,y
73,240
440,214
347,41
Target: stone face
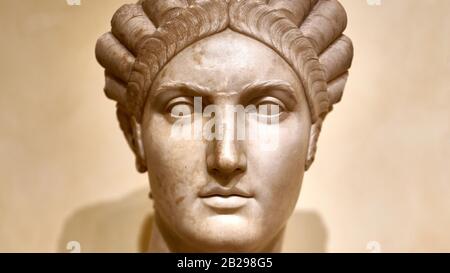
x,y
234,187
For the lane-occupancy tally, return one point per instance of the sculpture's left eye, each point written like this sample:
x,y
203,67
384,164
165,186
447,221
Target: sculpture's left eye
x,y
269,106
268,109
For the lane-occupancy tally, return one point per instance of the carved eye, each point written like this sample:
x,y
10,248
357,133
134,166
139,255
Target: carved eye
x,y
269,106
180,107
268,110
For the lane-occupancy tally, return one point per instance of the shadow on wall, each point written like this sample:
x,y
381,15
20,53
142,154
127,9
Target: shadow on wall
x,y
124,225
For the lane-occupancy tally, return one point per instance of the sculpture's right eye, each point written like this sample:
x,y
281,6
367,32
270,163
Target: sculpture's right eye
x,y
180,107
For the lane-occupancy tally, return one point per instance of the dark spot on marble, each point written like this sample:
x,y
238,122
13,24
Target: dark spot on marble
x,y
179,200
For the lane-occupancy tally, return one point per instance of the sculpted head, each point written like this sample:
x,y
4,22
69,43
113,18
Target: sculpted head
x,y
216,191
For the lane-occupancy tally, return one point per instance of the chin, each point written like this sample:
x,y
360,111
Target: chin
x,y
228,233
232,244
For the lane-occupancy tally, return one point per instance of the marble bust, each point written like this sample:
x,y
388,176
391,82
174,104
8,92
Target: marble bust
x,y
216,192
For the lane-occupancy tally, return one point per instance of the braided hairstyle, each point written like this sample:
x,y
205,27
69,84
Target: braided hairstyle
x,y
145,36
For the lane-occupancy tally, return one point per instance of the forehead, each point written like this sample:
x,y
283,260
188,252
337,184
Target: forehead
x,y
225,62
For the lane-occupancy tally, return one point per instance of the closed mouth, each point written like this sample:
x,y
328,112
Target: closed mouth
x,y
224,200
218,191
225,203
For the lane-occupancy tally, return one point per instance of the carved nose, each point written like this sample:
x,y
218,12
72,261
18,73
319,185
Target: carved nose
x,y
226,157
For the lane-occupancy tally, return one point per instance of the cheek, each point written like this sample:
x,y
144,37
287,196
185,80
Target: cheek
x,y
176,167
278,172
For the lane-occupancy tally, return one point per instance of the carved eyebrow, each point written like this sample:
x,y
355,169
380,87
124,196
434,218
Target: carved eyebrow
x,y
183,86
197,90
271,85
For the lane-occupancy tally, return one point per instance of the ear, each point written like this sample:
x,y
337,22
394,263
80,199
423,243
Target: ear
x,y
138,146
133,134
314,137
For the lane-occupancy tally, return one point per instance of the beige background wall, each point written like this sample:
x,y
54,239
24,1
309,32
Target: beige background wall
x,y
382,171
